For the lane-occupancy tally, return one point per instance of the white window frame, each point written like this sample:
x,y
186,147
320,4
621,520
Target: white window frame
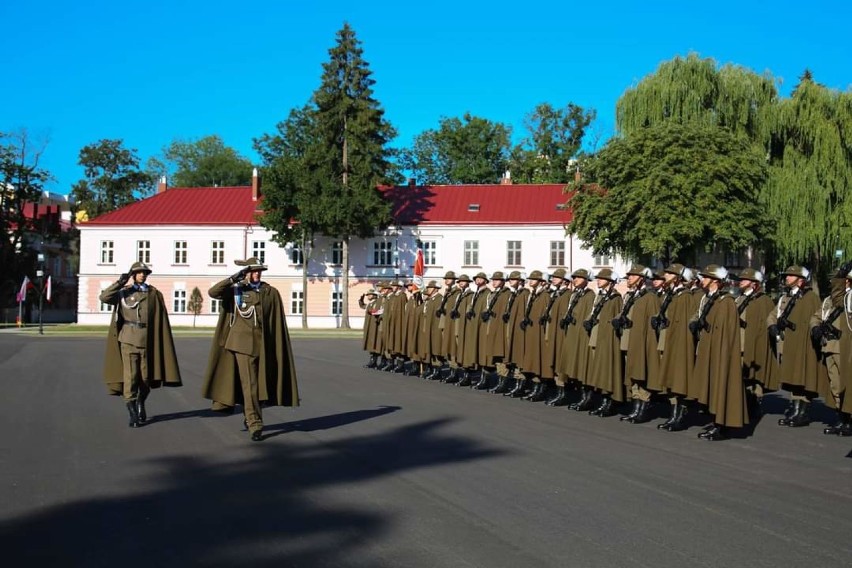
x,y
181,252
143,251
179,301
336,302
514,250
107,252
217,252
383,253
104,308
297,302
337,253
430,252
557,253
471,253
215,306
296,255
258,250
602,260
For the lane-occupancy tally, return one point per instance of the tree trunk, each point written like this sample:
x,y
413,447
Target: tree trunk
x,y
304,282
344,312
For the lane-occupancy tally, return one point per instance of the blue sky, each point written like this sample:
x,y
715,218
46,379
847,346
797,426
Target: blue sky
x,y
149,72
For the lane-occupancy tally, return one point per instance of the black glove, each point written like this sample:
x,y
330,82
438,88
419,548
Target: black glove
x,y
525,323
626,323
506,318
743,324
454,314
655,322
239,276
470,315
695,327
774,330
485,316
617,323
563,323
440,312
123,278
544,320
588,325
817,333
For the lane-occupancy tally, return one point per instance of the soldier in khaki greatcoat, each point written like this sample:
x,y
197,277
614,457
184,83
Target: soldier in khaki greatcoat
x,y
410,329
759,364
140,352
606,367
638,341
530,333
572,363
448,294
428,331
548,323
394,328
800,369
251,348
492,343
455,328
468,337
369,302
555,336
514,336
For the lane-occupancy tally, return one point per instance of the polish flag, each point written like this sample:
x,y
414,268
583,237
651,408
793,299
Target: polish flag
x,y
48,289
22,293
418,268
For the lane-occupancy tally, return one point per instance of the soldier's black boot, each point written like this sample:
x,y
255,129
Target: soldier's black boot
x,y
400,366
834,429
484,379
561,398
383,364
518,390
606,408
846,429
502,386
414,369
715,433
585,402
465,379
633,411
134,414
788,412
800,418
643,414
436,373
140,406
371,364
540,395
534,392
678,421
454,376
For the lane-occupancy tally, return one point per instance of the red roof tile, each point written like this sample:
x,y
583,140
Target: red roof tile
x,y
540,204
187,206
412,205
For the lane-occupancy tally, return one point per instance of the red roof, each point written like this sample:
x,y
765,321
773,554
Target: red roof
x,y
510,204
539,204
187,206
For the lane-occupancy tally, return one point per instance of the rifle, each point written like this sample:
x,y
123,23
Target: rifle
x,y
622,322
454,313
776,330
569,318
699,325
470,313
825,331
489,305
507,315
526,322
441,311
545,318
590,323
742,307
660,322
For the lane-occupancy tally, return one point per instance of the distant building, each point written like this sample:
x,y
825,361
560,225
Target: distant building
x,y
191,236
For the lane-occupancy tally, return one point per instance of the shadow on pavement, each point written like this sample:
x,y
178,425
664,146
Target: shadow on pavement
x,y
326,422
266,511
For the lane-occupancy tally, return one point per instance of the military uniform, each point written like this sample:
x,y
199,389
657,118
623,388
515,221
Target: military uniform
x,y
251,347
369,302
455,328
513,316
573,359
606,372
448,299
531,334
492,345
140,353
758,362
429,331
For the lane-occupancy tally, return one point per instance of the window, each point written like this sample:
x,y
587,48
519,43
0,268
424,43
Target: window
x,y
215,306
603,260
296,256
143,251
471,253
297,301
107,253
429,253
179,303
382,253
104,307
258,250
217,252
337,252
180,252
557,253
513,253
337,303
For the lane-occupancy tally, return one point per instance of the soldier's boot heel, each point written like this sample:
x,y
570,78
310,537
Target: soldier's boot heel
x,y
502,386
679,422
134,414
644,413
801,417
633,411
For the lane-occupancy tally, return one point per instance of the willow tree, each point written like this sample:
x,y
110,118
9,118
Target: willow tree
x,y
670,189
810,181
695,90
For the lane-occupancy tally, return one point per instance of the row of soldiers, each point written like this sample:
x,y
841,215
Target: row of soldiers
x,y
703,339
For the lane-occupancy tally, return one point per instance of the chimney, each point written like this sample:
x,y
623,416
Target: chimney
x,y
412,182
506,179
255,185
161,185
577,176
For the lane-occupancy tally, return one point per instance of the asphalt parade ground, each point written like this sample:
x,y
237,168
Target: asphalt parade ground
x,y
376,469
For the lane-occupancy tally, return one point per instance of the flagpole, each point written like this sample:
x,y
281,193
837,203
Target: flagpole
x,y
40,275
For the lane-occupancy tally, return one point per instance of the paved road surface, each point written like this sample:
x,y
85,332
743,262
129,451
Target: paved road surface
x,y
383,470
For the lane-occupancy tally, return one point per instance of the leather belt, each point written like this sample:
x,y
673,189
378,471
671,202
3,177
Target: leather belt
x,y
138,324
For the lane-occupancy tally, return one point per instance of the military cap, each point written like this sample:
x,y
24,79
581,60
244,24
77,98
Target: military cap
x,y
582,273
515,275
432,284
464,278
659,275
251,264
384,285
139,267
607,274
558,273
371,292
715,271
799,271
535,275
499,275
481,275
398,283
677,269
750,274
639,270
450,274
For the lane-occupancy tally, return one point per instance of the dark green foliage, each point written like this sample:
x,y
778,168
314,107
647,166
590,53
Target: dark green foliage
x,y
206,162
113,178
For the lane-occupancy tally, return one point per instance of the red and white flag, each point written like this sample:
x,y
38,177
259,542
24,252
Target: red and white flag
x,y
418,268
48,289
22,293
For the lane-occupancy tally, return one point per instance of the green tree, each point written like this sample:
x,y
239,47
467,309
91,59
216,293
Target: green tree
x,y
466,150
21,182
196,302
206,162
553,141
113,178
694,90
671,189
810,174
